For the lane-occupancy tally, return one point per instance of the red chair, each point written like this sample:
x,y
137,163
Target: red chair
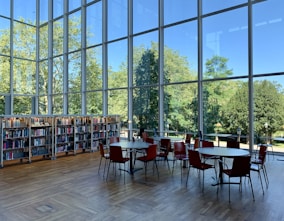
x,y
188,139
114,140
149,140
258,165
165,148
233,144
196,143
240,168
116,156
103,156
151,154
179,154
144,136
195,162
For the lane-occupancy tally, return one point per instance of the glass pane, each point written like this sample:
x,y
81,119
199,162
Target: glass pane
x,y
117,19
57,75
94,102
74,31
145,15
43,78
5,36
58,37
25,12
225,109
225,44
180,53
211,6
179,10
4,74
22,105
43,42
146,60
117,69
94,69
2,105
57,8
74,72
24,76
74,4
118,103
181,108
43,16
5,8
268,31
24,39
94,24
57,107
43,105
145,107
74,103
268,111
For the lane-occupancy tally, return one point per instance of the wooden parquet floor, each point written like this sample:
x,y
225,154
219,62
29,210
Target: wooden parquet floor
x,y
70,188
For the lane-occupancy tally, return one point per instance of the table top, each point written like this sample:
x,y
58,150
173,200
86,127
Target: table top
x,y
223,151
173,139
131,145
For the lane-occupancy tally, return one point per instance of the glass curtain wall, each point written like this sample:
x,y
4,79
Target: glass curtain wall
x,y
172,66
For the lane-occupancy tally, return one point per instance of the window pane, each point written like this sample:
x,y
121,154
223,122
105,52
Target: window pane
x,y
74,72
94,24
25,12
74,103
57,75
5,8
181,108
179,10
94,102
225,44
74,31
57,8
24,76
22,105
43,42
58,37
43,78
117,70
4,74
145,61
43,11
145,15
74,4
268,111
145,107
180,53
43,105
5,36
57,107
117,19
268,31
211,6
117,103
94,69
24,39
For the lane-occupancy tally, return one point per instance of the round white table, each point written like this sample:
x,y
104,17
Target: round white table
x,y
131,145
223,152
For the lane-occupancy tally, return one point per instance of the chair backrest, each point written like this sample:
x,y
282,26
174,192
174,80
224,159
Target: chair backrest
x,y
241,166
115,153
188,138
262,153
166,144
196,143
206,143
149,140
233,144
179,148
114,139
151,152
194,158
102,151
144,136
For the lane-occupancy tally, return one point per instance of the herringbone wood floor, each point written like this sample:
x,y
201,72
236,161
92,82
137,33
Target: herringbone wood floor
x,y
70,188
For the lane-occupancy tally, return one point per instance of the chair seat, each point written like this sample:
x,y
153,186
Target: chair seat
x,y
205,166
